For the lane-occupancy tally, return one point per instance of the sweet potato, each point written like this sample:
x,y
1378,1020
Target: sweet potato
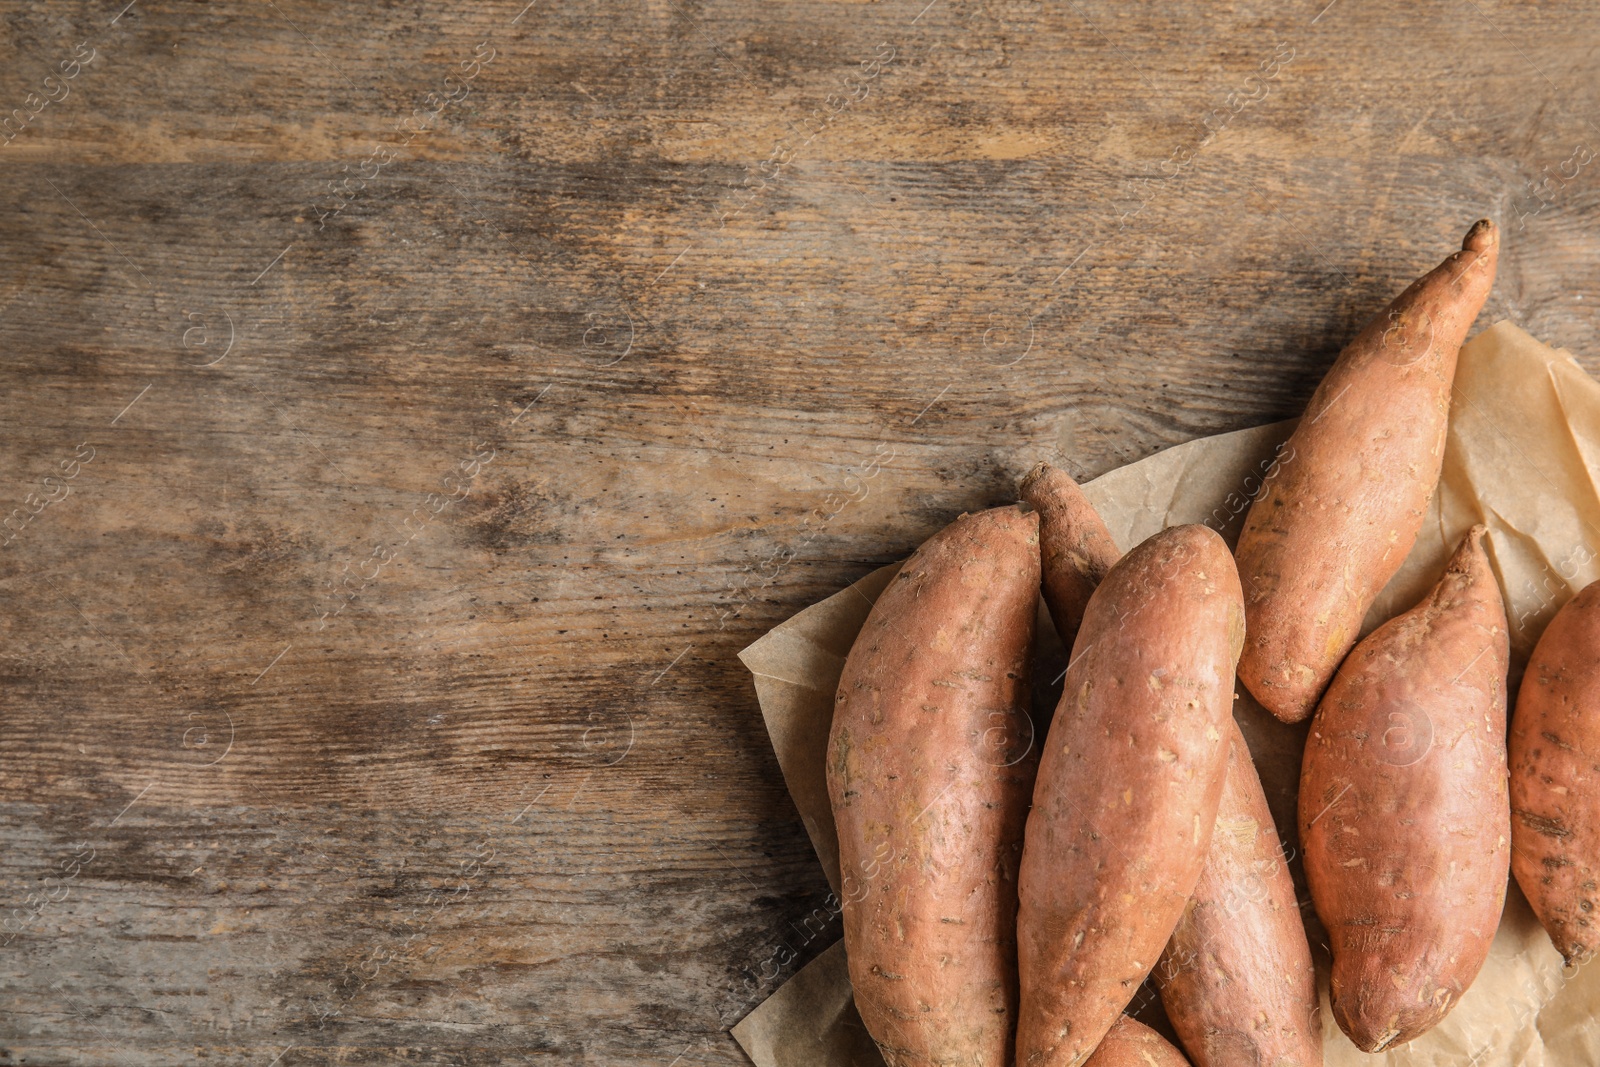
x,y
1404,814
1129,780
930,769
1236,978
1344,506
1075,546
1555,778
1130,1043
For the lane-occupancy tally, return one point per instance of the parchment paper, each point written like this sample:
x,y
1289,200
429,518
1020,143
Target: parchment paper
x,y
1524,442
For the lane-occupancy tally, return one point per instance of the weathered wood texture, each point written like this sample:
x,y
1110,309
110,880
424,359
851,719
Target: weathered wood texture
x,y
297,756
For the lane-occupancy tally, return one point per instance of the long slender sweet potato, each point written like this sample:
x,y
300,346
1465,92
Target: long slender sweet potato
x,y
1404,814
1555,778
930,768
1333,526
1129,780
1236,978
1130,1043
1075,546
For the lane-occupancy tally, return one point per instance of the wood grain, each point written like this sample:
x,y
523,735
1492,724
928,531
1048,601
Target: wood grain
x,y
294,703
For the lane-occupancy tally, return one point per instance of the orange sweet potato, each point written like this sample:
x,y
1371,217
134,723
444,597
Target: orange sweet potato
x,y
930,769
1130,1043
1404,813
1129,780
1335,523
1076,547
1555,778
1236,978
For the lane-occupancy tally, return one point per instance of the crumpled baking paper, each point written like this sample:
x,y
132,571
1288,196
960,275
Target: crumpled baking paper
x,y
1523,444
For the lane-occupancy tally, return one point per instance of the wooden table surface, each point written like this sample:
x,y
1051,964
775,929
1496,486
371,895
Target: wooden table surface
x,y
410,410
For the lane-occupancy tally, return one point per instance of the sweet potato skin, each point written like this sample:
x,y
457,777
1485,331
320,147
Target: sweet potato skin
x,y
1075,546
1236,978
1555,778
1405,816
1130,1043
1333,526
1129,780
930,770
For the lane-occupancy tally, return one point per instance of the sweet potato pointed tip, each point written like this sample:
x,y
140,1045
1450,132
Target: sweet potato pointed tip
x,y
1483,237
1040,471
1470,558
1471,544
